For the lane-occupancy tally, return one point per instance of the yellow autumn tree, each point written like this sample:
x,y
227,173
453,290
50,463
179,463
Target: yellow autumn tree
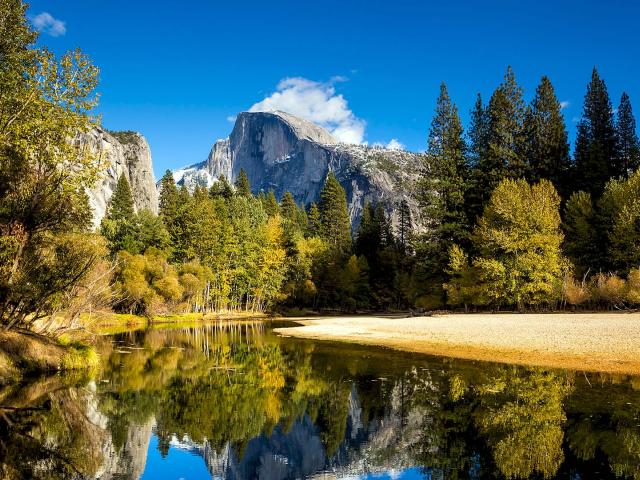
x,y
518,239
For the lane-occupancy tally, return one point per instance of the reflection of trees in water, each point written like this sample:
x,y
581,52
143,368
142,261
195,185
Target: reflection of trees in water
x,y
605,422
523,422
520,412
51,437
222,388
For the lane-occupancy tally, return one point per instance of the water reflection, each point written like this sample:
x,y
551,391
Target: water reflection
x,y
238,402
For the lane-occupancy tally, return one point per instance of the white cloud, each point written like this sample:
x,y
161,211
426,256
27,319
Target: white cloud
x,y
318,103
394,144
564,104
46,23
231,118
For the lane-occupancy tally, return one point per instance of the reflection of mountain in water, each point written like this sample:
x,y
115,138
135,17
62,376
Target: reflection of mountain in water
x,y
252,406
383,444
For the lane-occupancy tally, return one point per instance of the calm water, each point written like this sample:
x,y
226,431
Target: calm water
x,y
239,402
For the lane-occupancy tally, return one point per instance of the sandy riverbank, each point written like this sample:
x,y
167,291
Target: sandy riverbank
x,y
607,342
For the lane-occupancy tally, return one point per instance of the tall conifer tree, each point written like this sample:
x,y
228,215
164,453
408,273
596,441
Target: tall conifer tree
x,y
497,143
442,194
477,137
405,226
271,206
314,220
121,205
243,187
288,207
336,226
221,188
505,134
596,152
443,182
627,137
547,148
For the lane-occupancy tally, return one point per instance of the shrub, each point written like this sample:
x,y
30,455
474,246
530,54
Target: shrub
x,y
609,289
574,292
633,287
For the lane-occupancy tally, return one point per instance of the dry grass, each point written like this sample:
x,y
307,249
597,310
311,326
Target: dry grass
x,y
606,342
27,353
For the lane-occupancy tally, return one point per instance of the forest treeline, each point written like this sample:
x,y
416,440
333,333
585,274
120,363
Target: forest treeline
x,y
508,218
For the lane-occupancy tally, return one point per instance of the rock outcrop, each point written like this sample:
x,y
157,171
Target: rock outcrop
x,y
282,152
125,153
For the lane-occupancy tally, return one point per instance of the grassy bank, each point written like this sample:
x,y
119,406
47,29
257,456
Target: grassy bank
x,y
606,342
26,353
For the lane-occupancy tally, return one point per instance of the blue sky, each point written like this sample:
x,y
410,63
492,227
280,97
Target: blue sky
x,y
178,72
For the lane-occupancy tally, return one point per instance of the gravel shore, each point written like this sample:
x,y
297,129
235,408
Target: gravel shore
x,y
605,342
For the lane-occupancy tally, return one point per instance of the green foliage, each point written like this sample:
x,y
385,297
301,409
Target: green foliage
x,y
498,141
314,220
628,144
334,217
148,285
546,145
271,204
243,187
518,242
125,136
168,200
522,417
442,190
136,232
405,227
619,224
44,102
221,188
288,208
581,242
596,153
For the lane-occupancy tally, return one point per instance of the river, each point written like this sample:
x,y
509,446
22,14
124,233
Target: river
x,y
236,401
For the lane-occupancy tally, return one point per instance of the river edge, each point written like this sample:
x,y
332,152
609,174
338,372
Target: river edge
x,y
594,342
26,354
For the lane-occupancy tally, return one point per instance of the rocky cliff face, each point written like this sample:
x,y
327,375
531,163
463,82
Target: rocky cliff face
x,y
125,153
282,152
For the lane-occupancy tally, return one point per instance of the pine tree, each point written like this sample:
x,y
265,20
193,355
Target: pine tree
x,y
405,226
443,182
243,187
546,145
497,143
121,203
581,242
505,134
315,222
221,188
303,219
288,207
336,227
596,152
367,240
442,193
271,205
183,195
168,201
383,226
477,135
627,137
